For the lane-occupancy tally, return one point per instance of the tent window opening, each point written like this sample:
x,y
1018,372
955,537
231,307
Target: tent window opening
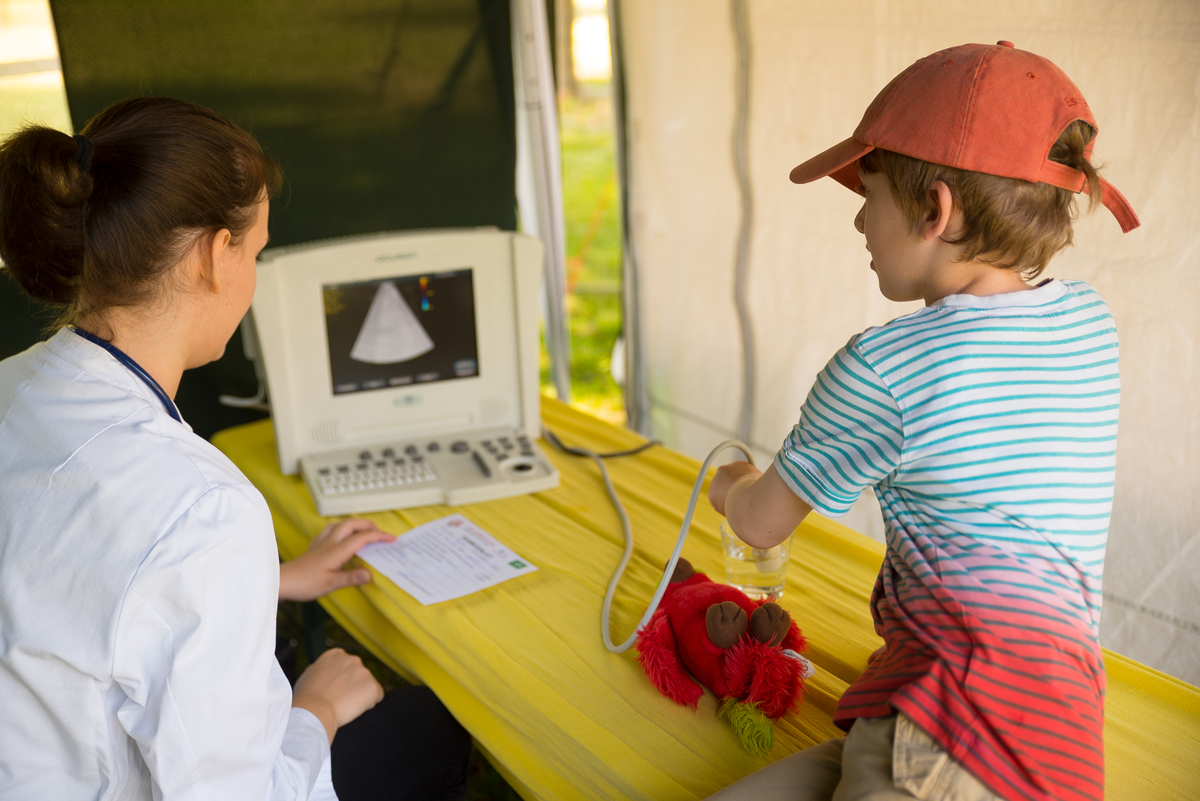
x,y
591,207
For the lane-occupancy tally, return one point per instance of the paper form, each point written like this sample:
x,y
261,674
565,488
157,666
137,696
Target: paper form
x,y
444,559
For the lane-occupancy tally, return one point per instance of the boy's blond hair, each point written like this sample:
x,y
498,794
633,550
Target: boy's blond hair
x,y
1008,223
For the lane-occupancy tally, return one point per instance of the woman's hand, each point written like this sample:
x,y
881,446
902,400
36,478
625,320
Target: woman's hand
x,y
336,688
319,570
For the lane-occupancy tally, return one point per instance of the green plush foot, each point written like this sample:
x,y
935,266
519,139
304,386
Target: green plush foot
x,y
752,726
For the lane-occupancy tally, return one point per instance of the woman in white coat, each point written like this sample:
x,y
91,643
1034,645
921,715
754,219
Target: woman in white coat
x,y
138,571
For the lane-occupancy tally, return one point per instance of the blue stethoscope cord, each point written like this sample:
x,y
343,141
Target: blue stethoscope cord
x,y
126,360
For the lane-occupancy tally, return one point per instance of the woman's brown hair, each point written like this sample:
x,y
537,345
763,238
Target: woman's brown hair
x,y
1008,223
92,234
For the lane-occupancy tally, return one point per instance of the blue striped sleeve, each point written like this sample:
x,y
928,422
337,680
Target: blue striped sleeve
x,y
849,436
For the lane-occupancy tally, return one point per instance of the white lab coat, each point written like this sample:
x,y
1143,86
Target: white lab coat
x,y
138,591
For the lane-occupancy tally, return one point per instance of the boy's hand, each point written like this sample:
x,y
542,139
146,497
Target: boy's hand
x,y
726,477
319,570
760,507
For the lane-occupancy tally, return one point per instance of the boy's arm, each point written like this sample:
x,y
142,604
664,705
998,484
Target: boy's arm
x,y
760,507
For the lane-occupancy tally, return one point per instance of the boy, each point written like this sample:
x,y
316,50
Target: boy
x,y
986,424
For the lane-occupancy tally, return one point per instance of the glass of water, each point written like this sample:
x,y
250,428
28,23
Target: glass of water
x,y
758,572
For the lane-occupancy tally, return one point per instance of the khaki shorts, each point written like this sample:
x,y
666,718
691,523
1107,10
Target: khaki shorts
x,y
879,760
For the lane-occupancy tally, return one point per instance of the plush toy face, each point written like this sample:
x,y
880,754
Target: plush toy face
x,y
738,648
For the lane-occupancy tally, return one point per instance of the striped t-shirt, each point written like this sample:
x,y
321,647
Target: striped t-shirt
x,y
987,427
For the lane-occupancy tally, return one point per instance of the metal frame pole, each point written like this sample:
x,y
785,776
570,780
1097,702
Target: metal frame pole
x,y
539,169
637,404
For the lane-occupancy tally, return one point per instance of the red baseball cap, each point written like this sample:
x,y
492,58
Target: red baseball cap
x,y
985,108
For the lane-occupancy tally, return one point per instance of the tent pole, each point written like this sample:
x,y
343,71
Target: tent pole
x,y
537,125
637,406
741,36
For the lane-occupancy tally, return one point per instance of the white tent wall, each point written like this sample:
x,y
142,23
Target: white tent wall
x,y
814,68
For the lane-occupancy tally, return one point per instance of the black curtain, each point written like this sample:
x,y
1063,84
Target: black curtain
x,y
384,114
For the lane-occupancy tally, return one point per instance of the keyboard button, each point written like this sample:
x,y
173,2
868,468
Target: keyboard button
x,y
324,471
363,466
460,447
388,453
343,468
433,447
418,458
412,450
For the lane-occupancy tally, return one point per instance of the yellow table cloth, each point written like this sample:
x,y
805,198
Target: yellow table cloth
x,y
522,666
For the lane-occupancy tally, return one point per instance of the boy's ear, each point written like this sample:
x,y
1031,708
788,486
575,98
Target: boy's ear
x,y
941,212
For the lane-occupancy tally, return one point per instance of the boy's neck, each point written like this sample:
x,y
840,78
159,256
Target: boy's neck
x,y
972,278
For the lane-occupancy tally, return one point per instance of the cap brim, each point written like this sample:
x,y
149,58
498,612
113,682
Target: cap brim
x,y
838,162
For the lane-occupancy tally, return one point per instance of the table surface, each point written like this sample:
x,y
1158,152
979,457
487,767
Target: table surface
x,y
523,667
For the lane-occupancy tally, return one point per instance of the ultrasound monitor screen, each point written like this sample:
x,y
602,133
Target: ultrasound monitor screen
x,y
393,332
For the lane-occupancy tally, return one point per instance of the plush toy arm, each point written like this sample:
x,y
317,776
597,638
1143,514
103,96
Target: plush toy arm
x,y
660,659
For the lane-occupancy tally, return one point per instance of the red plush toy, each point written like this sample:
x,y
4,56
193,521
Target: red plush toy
x,y
746,652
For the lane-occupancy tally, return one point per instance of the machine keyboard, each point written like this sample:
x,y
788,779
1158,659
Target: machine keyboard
x,y
451,470
375,475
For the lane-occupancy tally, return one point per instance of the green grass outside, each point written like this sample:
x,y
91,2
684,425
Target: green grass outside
x,y
591,207
32,99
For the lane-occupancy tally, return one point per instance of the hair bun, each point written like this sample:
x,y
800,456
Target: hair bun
x,y
43,198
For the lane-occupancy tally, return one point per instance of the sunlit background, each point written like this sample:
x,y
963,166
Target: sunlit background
x,y
31,85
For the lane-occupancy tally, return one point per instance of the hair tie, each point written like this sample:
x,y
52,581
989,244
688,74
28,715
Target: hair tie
x,y
83,152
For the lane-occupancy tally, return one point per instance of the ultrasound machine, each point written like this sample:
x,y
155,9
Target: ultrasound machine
x,y
402,368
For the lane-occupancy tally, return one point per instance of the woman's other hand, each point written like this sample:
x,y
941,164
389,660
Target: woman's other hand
x,y
337,688
319,570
